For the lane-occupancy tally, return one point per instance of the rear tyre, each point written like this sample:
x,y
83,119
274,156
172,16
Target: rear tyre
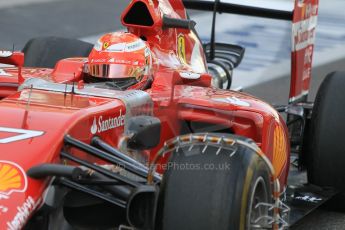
x,y
47,51
326,145
216,191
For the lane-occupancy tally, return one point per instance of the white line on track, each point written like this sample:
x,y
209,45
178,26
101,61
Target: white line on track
x,y
14,3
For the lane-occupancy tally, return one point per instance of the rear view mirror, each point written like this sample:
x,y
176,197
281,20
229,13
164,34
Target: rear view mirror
x,y
144,132
5,54
12,58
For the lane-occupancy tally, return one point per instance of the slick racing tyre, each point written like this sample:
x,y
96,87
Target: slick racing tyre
x,y
212,188
325,142
45,52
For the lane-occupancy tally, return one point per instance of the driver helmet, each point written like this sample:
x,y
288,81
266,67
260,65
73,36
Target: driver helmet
x,y
121,58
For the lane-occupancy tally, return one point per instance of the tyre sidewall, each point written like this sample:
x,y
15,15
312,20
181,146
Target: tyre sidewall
x,y
228,202
326,147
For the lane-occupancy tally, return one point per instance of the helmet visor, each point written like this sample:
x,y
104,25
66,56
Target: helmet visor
x,y
116,71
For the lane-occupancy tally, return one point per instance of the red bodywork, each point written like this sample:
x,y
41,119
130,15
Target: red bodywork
x,y
176,99
303,38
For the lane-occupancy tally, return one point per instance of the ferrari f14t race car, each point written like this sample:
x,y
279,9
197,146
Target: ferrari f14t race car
x,y
142,131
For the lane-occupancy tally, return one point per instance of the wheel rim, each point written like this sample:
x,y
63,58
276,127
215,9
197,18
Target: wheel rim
x,y
255,214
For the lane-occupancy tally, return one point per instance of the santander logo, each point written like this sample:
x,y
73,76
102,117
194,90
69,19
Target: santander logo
x,y
101,125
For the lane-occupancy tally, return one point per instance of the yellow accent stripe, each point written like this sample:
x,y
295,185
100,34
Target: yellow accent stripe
x,y
244,200
279,150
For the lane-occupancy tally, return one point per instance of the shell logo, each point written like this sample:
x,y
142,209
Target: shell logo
x,y
12,178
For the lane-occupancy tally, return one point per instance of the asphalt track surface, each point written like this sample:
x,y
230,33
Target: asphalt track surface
x,y
21,20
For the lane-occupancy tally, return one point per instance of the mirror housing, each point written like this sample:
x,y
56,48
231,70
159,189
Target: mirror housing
x,y
144,132
12,58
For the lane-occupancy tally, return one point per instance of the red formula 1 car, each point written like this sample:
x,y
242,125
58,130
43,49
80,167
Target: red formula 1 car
x,y
141,131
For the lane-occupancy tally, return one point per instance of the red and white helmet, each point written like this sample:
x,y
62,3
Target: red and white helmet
x,y
121,57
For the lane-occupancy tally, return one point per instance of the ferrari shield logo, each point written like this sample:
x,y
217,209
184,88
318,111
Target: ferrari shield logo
x,y
105,45
181,48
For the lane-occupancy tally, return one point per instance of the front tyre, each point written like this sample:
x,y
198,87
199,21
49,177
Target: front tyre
x,y
204,188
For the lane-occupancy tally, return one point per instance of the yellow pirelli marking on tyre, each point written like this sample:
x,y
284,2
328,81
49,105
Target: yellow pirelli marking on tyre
x,y
279,150
181,48
244,200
